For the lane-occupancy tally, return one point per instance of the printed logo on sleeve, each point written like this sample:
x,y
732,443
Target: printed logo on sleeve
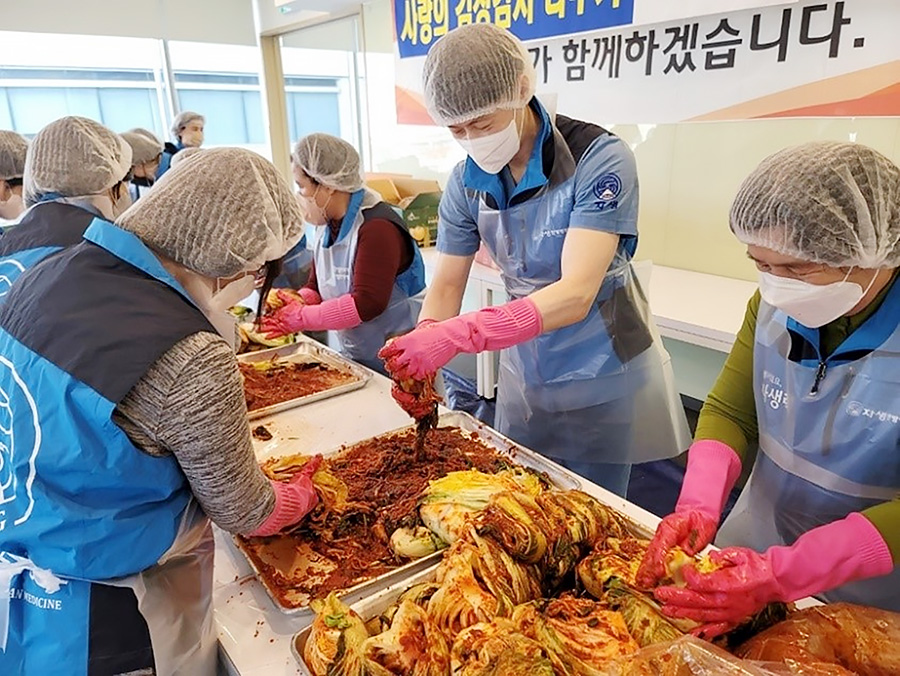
x,y
607,190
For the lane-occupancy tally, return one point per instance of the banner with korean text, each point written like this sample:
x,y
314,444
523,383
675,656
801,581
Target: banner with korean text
x,y
603,61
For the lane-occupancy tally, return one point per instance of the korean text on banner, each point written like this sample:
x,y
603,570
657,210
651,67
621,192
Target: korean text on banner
x,y
420,23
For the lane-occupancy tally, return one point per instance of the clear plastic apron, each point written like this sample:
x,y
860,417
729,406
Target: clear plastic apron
x,y
822,454
334,276
44,619
601,390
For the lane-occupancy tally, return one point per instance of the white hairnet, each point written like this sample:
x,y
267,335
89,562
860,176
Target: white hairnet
x,y
475,70
145,147
13,147
182,155
226,211
329,160
74,157
183,119
824,202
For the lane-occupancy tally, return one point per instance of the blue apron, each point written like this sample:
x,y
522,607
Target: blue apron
x,y
600,390
43,230
334,275
79,503
829,440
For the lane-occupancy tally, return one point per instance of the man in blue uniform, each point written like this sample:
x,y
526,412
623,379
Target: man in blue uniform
x,y
555,201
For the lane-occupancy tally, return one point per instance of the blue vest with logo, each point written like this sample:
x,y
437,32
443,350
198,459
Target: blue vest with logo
x,y
44,229
77,498
829,437
598,390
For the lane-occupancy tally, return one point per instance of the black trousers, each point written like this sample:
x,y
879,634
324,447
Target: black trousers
x,y
119,640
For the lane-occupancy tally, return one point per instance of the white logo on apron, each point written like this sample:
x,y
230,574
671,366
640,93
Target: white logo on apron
x,y
20,437
857,409
10,269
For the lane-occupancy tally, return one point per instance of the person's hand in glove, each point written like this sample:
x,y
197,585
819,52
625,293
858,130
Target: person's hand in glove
x,y
415,405
713,468
820,560
336,314
294,499
423,351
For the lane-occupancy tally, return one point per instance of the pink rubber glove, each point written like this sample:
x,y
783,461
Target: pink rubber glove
x,y
712,470
334,315
309,296
294,499
415,406
820,560
422,352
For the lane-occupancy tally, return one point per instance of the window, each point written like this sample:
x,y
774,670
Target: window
x,y
120,83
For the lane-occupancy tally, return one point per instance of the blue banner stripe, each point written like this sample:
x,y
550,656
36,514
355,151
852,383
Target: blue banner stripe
x,y
420,23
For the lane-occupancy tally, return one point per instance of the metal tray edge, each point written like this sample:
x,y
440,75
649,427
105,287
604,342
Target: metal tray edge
x,y
363,590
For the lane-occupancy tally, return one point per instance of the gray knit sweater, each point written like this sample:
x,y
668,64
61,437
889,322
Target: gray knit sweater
x,y
190,403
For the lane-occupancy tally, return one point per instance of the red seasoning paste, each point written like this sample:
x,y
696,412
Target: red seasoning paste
x,y
384,479
273,382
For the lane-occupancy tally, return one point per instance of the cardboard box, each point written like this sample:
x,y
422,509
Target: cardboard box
x,y
417,199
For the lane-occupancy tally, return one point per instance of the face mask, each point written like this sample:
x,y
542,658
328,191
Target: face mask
x,y
222,300
192,139
812,305
314,213
12,208
494,151
231,294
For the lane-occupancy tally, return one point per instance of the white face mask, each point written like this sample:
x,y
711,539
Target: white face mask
x,y
314,213
12,208
222,300
494,151
812,305
231,294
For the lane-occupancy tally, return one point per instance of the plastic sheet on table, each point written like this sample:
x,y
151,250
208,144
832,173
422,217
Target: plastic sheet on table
x,y
689,656
461,394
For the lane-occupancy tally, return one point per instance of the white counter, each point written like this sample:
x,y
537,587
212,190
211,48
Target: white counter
x,y
252,632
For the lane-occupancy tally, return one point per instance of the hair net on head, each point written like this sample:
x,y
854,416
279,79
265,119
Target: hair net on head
x,y
824,202
226,211
145,147
330,161
75,157
13,147
184,119
182,155
475,70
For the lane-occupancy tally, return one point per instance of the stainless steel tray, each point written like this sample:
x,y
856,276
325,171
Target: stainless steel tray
x,y
559,477
306,350
374,605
